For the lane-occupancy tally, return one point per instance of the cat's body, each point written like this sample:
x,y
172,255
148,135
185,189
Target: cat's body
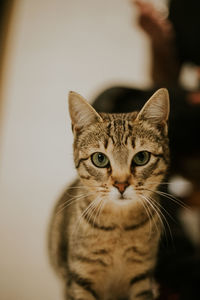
x,y
106,228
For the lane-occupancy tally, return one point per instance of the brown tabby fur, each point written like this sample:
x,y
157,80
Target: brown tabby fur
x,y
106,227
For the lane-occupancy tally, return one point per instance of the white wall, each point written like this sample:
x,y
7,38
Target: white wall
x,y
55,46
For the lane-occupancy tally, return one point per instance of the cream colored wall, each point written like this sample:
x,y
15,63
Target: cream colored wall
x,y
55,46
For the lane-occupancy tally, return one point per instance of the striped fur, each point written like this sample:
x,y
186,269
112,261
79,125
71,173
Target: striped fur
x,y
105,229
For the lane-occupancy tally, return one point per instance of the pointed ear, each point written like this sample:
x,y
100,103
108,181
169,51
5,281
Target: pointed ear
x,y
81,112
156,109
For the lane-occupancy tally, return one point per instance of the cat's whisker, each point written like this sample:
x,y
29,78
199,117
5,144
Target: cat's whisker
x,y
98,206
73,200
158,203
170,197
162,208
65,205
90,209
80,195
156,211
93,210
84,213
160,183
159,206
75,188
101,208
148,212
70,201
174,199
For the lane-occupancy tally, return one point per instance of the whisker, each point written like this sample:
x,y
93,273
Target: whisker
x,y
167,195
172,198
159,206
70,201
148,212
85,212
101,208
161,183
170,216
65,205
93,209
156,211
97,211
75,188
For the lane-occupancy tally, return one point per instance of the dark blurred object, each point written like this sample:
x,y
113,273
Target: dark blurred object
x,y
6,8
5,14
184,14
173,41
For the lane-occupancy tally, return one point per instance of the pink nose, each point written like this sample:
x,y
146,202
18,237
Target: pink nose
x,y
121,186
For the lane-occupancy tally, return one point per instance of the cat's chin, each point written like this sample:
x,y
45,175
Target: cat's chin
x,y
127,198
122,201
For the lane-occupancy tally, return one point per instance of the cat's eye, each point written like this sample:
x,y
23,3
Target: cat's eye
x,y
100,160
141,158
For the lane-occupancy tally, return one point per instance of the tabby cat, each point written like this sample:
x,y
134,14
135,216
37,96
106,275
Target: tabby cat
x,y
106,228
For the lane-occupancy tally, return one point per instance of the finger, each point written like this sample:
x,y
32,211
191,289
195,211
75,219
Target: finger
x,y
143,6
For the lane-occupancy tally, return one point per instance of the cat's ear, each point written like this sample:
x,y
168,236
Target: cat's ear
x,y
81,112
156,109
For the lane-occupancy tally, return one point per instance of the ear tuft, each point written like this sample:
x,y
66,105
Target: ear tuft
x,y
156,109
81,112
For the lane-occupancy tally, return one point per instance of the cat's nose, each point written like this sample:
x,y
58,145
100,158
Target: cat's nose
x,y
121,186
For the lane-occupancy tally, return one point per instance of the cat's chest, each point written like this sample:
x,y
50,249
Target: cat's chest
x,y
117,255
116,242
116,248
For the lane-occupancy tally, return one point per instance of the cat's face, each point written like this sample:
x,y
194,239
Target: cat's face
x,y
121,156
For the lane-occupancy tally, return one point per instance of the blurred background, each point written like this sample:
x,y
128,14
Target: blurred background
x,y
48,48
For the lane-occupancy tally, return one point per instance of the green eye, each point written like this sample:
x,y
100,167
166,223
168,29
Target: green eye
x,y
100,160
141,158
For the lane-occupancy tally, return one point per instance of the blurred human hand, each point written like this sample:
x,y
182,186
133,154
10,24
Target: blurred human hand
x,y
153,22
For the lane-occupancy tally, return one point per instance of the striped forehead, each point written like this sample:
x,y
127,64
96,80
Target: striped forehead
x,y
119,129
123,132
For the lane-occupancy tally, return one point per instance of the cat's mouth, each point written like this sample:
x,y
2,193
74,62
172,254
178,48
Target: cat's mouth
x,y
122,197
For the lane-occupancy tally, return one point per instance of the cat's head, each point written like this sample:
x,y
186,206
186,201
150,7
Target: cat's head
x,y
121,156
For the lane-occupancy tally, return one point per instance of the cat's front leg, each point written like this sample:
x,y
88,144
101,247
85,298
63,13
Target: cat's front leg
x,y
80,290
142,288
143,295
